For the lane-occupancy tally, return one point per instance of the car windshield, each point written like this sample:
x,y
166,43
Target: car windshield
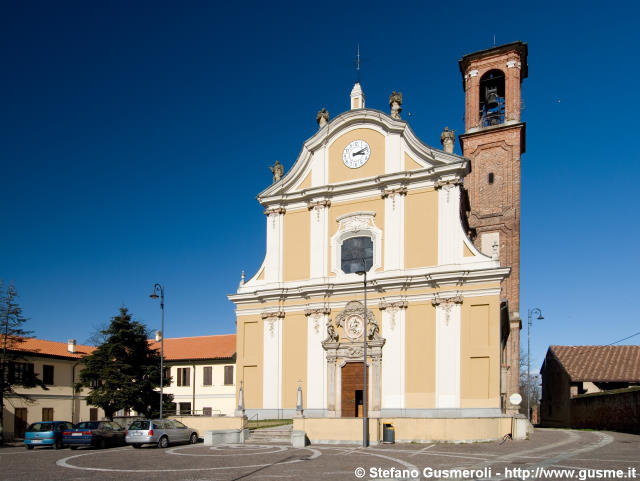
x,y
139,425
88,425
40,427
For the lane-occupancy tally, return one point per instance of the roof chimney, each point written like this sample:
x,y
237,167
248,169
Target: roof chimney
x,y
71,346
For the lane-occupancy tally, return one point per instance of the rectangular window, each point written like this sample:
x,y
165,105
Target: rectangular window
x,y
93,414
228,375
356,254
207,376
20,372
185,408
47,374
167,376
47,414
206,411
183,376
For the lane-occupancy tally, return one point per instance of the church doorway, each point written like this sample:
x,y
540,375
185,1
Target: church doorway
x,y
352,389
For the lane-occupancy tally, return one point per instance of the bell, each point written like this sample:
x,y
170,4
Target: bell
x,y
491,97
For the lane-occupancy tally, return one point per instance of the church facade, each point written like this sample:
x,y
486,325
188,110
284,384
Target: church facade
x,y
366,195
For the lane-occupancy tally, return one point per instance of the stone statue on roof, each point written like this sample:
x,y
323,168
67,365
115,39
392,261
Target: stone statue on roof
x,y
448,139
278,171
322,118
395,102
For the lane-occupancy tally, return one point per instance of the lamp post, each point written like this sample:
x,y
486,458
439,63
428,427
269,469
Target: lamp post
x,y
531,313
365,391
158,288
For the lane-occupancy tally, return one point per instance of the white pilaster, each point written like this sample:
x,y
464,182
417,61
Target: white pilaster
x,y
319,167
448,355
316,397
393,161
450,234
393,358
394,231
272,364
273,259
319,242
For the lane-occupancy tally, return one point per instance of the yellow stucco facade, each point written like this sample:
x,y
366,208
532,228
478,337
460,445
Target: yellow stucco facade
x,y
433,318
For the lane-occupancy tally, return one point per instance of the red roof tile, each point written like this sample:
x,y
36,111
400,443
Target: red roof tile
x,y
51,348
600,363
201,347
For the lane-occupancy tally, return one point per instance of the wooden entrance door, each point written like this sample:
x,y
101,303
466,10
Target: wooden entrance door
x,y
352,389
20,422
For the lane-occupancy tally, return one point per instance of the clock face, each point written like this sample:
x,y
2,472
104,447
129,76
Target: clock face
x,y
356,154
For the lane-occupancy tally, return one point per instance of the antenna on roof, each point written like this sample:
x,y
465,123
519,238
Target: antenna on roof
x,y
358,65
494,39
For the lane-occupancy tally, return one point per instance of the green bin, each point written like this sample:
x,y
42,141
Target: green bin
x,y
388,434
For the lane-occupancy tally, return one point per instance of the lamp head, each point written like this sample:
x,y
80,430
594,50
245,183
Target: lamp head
x,y
153,295
540,317
361,273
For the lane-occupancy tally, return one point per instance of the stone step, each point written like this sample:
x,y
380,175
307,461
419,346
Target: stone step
x,y
270,435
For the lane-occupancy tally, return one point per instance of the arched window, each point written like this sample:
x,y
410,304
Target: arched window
x,y
356,253
492,92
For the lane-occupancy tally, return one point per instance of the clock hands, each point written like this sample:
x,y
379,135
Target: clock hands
x,y
359,152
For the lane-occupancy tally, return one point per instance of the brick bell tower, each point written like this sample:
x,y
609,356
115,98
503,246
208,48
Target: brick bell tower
x,y
494,141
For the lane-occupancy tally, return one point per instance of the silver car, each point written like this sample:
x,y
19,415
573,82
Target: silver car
x,y
161,432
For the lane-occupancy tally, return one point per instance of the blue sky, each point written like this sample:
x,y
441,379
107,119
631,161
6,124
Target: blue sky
x,y
136,135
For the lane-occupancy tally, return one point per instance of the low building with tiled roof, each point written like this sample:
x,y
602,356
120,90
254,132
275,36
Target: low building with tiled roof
x,y
570,371
202,371
221,347
41,347
58,365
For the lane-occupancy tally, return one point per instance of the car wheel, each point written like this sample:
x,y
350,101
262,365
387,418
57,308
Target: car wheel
x,y
58,444
193,439
28,446
137,446
163,442
102,444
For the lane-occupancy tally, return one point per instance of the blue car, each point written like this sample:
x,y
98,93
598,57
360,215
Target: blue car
x,y
46,433
99,434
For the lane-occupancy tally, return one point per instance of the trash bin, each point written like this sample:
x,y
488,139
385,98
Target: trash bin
x,y
388,434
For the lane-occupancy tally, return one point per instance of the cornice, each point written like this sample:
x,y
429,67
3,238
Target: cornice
x,y
378,184
381,283
443,297
476,131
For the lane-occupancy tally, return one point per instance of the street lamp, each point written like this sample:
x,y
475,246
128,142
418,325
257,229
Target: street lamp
x,y
158,288
532,312
365,391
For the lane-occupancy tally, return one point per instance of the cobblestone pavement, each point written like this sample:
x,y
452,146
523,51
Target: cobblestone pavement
x,y
587,453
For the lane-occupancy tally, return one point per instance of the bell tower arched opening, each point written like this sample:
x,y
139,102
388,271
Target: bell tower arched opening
x,y
492,98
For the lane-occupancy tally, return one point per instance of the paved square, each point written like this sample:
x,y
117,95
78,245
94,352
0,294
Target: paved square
x,y
547,450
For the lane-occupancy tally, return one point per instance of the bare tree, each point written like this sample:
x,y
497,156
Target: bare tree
x,y
532,392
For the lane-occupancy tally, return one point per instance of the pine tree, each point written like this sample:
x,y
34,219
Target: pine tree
x,y
123,372
12,335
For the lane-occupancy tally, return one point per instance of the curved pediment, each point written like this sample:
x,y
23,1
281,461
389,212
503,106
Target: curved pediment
x,y
389,145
